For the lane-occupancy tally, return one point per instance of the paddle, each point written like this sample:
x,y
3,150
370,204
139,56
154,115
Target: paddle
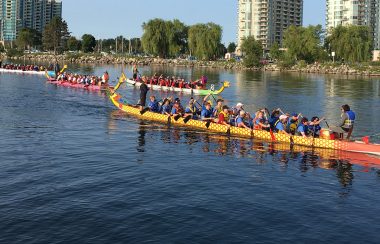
x,y
208,123
177,117
272,135
214,98
144,110
187,119
327,124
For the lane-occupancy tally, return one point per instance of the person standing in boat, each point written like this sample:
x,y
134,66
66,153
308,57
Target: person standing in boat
x,y
347,123
57,69
143,91
135,72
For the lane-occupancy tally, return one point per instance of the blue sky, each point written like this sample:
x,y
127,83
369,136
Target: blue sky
x,y
111,18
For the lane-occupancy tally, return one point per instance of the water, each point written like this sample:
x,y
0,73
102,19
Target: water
x,y
76,170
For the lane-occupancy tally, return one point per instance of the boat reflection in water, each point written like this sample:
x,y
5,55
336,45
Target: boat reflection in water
x,y
262,152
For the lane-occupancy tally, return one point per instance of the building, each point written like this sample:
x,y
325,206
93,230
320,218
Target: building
x,y
33,14
266,20
358,12
10,19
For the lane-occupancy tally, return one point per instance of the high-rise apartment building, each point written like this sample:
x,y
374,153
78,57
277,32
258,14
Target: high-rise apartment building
x,y
10,19
357,12
34,14
266,20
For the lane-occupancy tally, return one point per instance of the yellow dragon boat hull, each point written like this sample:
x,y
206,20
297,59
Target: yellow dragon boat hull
x,y
247,133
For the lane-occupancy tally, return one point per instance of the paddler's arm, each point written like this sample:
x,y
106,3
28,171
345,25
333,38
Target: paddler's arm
x,y
205,98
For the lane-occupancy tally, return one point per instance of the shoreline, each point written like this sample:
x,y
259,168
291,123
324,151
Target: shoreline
x,y
317,68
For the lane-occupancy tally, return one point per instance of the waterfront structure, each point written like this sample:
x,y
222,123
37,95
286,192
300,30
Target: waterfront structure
x,y
358,12
10,19
266,20
33,14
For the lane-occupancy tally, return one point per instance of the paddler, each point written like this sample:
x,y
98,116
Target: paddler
x,y
259,122
293,123
223,117
303,128
240,120
192,109
218,108
177,108
314,126
206,113
153,104
281,123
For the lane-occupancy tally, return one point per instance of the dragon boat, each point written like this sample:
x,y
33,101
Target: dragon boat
x,y
52,80
200,92
17,71
324,141
77,85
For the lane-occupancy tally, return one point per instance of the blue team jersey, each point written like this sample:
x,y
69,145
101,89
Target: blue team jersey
x,y
206,113
154,107
280,126
166,109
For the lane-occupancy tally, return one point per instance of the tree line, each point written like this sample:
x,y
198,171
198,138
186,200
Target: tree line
x,y
172,38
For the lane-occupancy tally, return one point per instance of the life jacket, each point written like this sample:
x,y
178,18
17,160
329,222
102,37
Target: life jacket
x,y
257,126
217,111
305,129
275,125
225,116
293,127
349,122
193,109
273,122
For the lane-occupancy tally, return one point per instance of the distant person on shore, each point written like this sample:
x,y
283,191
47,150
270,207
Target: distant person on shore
x,y
135,72
143,91
347,123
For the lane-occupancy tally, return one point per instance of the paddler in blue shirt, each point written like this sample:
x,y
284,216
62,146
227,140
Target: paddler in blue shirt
x,y
280,125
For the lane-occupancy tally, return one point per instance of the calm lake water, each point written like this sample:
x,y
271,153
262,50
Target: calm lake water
x,y
74,169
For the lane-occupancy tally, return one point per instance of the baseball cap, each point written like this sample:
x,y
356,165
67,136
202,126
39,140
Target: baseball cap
x,y
283,116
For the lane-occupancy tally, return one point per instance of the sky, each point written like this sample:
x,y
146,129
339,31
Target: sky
x,y
111,18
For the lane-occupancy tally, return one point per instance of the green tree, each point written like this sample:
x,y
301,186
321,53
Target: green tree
x,y
88,43
164,38
275,52
304,43
2,49
204,40
177,37
55,35
155,38
252,51
352,43
74,44
27,38
231,47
